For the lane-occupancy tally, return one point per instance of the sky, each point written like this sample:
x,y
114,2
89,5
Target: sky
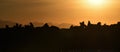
x,y
60,11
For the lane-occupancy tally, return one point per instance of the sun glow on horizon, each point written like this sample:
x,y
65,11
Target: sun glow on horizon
x,y
96,2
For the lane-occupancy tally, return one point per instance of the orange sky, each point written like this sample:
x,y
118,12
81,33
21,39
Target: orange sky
x,y
59,11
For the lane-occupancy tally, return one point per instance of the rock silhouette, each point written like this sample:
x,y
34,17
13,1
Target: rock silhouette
x,y
83,38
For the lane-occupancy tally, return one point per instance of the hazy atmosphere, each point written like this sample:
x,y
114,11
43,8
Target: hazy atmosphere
x,y
60,11
59,25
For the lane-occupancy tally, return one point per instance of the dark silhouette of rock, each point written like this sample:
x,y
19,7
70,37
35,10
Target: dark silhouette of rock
x,y
85,38
89,23
82,24
46,25
7,26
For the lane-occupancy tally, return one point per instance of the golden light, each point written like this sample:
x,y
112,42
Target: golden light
x,y
96,2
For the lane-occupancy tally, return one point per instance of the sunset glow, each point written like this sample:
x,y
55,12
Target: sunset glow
x,y
60,11
96,2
